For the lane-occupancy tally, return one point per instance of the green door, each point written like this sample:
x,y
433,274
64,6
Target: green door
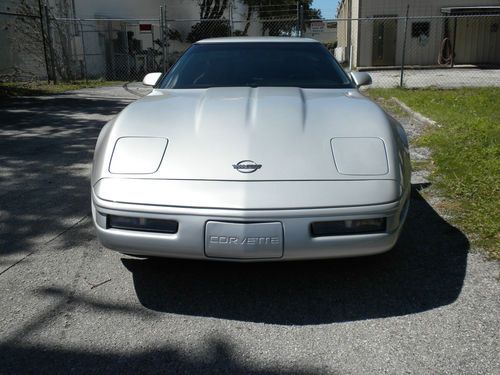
x,y
384,42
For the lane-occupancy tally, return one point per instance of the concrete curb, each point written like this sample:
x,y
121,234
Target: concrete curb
x,y
413,114
135,88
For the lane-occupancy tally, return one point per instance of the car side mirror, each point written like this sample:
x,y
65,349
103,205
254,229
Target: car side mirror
x,y
361,78
151,78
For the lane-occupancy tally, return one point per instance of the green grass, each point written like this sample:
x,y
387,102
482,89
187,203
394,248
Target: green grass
x,y
43,88
466,153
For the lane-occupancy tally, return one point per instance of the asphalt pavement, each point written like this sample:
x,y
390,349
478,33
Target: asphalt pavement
x,y
67,305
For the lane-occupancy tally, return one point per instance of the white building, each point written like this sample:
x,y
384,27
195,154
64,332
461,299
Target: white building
x,y
135,30
115,39
379,41
324,31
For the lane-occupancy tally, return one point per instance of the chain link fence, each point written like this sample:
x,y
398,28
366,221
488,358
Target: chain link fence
x,y
443,51
117,49
186,32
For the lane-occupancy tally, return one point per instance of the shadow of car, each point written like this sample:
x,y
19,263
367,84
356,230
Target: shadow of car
x,y
425,270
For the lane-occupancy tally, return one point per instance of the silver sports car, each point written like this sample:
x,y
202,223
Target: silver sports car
x,y
252,149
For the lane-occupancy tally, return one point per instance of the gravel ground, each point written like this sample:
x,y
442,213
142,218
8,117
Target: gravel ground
x,y
415,124
69,306
441,78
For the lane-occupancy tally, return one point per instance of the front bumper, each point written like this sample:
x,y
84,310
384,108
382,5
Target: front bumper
x,y
298,243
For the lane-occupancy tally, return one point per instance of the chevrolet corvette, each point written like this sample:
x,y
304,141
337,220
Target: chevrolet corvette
x,y
252,149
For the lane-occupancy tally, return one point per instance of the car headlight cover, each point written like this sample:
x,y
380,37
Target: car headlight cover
x,y
360,156
137,155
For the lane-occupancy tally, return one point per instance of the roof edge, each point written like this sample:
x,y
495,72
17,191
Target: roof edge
x,y
269,39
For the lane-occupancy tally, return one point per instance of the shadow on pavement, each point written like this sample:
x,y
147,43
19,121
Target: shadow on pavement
x,y
46,146
425,270
217,359
214,354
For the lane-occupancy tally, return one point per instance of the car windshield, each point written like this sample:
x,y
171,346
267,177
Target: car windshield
x,y
247,64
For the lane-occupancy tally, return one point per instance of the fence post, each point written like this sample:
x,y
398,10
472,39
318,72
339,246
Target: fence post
x,y
51,47
162,38
401,82
454,41
127,51
166,37
301,17
111,52
152,46
84,53
350,54
231,20
44,41
298,18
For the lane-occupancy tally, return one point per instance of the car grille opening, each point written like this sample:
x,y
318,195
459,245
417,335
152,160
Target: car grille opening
x,y
347,227
142,224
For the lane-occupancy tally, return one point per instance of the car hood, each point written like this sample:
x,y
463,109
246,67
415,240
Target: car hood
x,y
289,132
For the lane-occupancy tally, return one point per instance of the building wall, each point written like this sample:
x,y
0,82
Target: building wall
x,y
474,44
418,52
355,30
21,44
342,33
181,16
372,8
184,12
468,49
22,49
346,36
132,9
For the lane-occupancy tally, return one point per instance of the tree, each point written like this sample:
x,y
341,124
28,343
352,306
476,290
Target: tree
x,y
282,8
279,17
212,24
212,9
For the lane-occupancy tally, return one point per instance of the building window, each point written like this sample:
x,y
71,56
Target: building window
x,y
420,29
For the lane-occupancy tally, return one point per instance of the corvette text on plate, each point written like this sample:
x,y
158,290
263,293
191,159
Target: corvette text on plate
x,y
252,241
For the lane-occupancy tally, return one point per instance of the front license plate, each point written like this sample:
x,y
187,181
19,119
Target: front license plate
x,y
243,241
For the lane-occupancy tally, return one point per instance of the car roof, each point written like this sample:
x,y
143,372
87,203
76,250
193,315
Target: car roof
x,y
268,39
